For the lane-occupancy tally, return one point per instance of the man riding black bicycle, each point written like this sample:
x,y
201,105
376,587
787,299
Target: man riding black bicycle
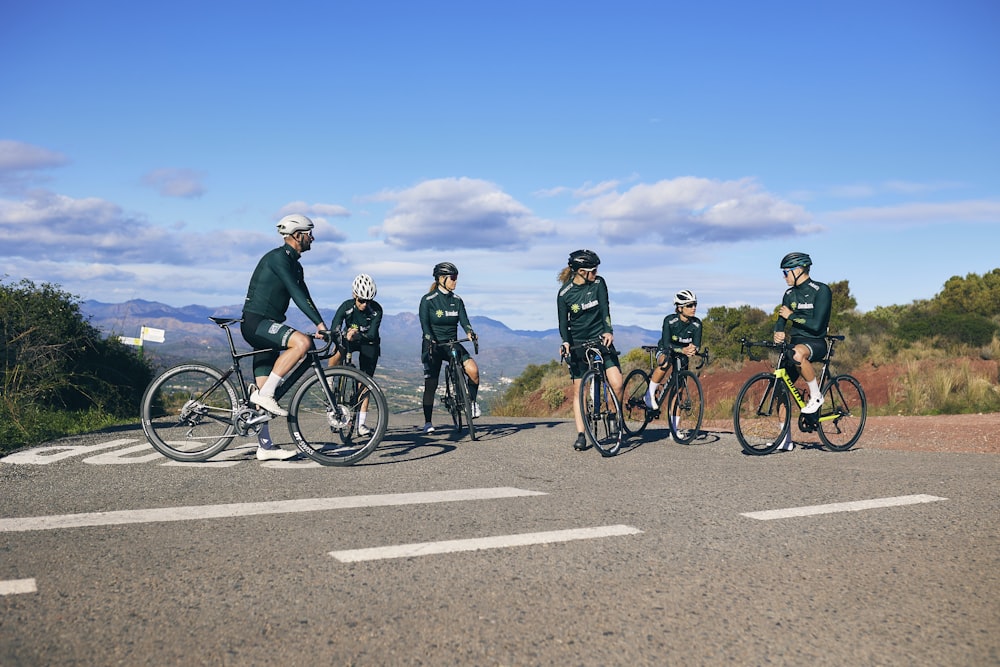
x,y
277,280
807,305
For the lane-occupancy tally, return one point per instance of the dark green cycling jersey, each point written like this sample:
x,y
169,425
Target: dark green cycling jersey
x,y
584,311
366,321
810,303
678,334
440,315
277,280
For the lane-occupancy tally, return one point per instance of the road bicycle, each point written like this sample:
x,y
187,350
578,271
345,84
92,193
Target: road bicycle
x,y
680,398
762,413
599,404
193,411
456,398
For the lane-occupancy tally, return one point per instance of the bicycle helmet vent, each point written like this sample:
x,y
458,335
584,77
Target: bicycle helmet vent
x,y
583,259
445,269
364,287
684,297
795,259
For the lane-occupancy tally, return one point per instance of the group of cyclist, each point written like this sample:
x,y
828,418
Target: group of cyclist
x,y
584,315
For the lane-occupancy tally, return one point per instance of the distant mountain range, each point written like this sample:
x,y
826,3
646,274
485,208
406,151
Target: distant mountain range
x,y
504,352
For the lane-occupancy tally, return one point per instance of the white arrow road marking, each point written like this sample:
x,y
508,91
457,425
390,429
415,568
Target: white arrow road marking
x,y
853,506
479,543
250,509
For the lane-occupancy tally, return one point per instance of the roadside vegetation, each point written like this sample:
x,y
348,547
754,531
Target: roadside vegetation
x,y
62,377
936,348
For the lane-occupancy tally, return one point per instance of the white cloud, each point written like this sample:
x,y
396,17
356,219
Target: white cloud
x,y
449,213
920,213
169,182
690,210
19,156
317,209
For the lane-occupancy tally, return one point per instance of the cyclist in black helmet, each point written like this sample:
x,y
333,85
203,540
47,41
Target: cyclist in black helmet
x,y
584,315
806,304
441,312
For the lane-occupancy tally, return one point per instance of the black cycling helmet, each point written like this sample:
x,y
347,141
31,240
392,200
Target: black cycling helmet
x,y
445,269
796,259
583,259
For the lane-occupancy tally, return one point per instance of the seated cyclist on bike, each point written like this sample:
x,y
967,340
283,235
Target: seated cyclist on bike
x,y
359,319
277,280
679,340
806,304
441,312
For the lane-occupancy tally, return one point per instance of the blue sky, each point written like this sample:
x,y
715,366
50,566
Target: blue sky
x,y
148,149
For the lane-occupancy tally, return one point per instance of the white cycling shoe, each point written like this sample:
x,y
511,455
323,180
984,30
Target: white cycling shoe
x,y
268,403
813,405
476,412
274,454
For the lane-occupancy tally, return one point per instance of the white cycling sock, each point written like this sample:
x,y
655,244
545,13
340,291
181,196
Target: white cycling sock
x,y
272,382
813,388
362,416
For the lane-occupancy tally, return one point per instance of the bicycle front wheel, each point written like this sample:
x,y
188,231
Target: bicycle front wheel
x,y
324,417
601,413
635,414
464,407
762,414
842,417
187,412
687,408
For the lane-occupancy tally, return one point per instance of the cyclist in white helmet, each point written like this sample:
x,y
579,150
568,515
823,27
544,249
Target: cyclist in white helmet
x,y
679,340
278,280
360,318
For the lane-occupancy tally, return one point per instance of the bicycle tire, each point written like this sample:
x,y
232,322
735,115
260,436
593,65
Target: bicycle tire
x,y
464,403
636,415
188,412
600,408
687,407
315,423
843,414
450,401
761,415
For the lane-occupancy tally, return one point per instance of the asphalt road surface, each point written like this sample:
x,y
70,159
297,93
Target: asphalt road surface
x,y
513,550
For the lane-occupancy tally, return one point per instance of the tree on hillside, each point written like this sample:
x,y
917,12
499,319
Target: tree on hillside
x,y
54,360
974,294
723,327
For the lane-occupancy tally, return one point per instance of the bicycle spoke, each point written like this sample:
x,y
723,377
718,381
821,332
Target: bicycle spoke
x,y
636,415
600,410
326,421
187,412
687,406
761,415
842,417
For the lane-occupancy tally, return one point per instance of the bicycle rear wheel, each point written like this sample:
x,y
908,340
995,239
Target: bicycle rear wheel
x,y
635,414
843,414
325,421
187,412
687,408
601,413
464,403
762,414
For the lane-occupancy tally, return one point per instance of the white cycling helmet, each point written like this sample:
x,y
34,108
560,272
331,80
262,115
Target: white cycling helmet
x,y
364,287
294,223
685,297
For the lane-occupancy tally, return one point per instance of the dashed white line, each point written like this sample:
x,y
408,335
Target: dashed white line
x,y
480,543
853,506
250,509
18,586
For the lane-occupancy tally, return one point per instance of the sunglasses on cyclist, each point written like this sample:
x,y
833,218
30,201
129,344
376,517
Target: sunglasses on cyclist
x,y
693,304
785,272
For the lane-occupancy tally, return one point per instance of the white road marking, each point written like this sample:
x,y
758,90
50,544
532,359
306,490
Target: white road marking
x,y
853,506
16,586
250,509
479,543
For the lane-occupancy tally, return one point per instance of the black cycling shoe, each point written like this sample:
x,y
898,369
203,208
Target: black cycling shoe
x,y
581,442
